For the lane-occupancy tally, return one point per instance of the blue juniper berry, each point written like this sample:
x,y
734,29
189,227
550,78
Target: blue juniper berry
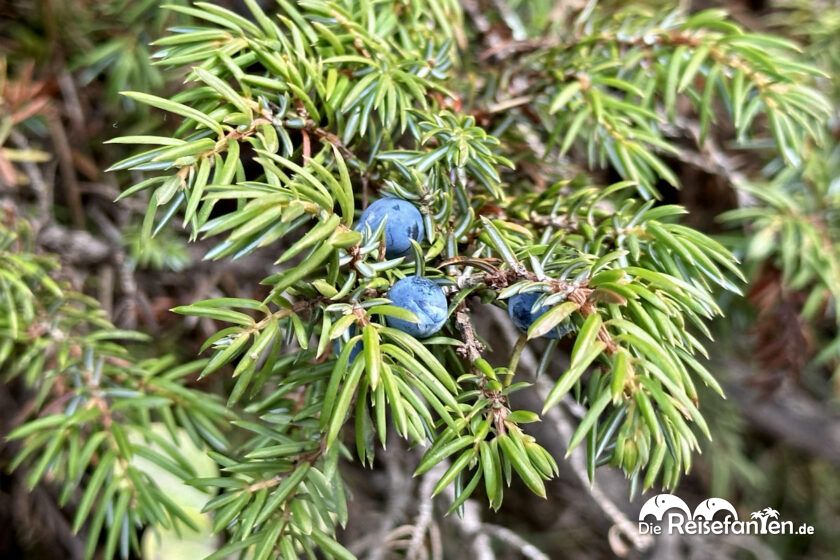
x,y
425,299
404,224
519,309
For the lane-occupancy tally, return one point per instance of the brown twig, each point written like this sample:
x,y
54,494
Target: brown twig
x,y
42,187
307,147
471,347
69,181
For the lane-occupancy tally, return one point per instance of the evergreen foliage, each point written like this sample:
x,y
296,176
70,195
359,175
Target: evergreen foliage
x,y
290,122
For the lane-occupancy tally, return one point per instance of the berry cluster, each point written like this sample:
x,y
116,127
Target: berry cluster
x,y
422,296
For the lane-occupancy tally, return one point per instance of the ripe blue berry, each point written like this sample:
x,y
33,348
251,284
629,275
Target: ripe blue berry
x,y
425,299
519,309
404,224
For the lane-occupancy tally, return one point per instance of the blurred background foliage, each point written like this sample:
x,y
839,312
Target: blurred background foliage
x,y
777,352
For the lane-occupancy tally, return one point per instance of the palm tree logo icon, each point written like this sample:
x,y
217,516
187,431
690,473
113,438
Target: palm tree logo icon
x,y
764,515
771,513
